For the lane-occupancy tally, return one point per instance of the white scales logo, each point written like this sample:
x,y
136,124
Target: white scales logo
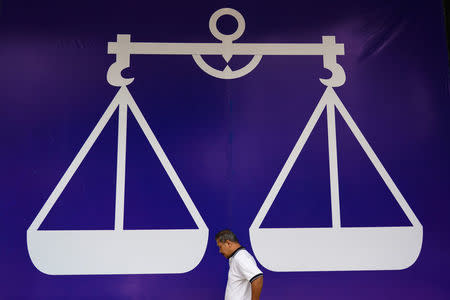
x,y
122,251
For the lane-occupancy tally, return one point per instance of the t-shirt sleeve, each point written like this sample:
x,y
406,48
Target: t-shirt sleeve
x,y
247,268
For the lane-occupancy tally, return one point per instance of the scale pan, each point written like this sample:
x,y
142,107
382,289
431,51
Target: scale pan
x,y
337,249
76,252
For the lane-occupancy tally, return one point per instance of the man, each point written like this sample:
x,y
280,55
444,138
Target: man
x,y
245,280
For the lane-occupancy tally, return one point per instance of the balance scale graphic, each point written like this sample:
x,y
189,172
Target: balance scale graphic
x,y
119,251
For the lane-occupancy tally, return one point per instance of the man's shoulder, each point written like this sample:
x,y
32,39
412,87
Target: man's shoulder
x,y
245,266
243,256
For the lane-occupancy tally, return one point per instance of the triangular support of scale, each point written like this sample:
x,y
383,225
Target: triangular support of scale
x,y
118,251
336,248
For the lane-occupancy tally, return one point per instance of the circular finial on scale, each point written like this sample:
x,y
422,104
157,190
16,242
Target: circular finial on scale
x,y
227,37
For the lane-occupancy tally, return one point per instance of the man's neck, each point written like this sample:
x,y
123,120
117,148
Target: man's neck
x,y
234,247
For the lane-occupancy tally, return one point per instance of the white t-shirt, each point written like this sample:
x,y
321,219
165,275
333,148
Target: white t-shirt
x,y
243,271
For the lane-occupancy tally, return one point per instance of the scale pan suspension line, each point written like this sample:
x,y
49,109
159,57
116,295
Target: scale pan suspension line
x,y
118,251
336,248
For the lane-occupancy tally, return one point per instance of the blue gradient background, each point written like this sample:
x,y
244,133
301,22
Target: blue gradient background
x,y
227,140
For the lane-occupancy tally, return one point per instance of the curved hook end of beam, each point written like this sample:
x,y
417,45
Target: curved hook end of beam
x,y
114,75
337,76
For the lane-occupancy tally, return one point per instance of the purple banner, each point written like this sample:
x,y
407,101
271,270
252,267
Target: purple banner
x,y
316,131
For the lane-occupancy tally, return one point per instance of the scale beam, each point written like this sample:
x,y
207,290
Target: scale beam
x,y
123,48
